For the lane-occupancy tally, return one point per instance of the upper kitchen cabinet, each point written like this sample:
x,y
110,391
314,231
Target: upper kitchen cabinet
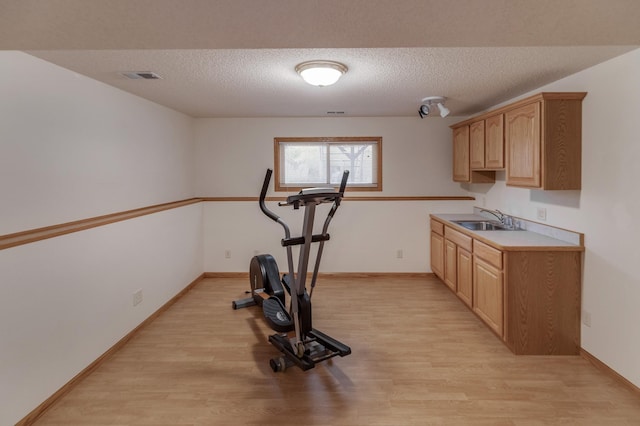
x,y
543,138
487,143
538,140
476,143
461,169
462,159
494,142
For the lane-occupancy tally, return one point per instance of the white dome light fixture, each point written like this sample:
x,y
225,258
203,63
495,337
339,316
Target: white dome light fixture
x,y
321,73
427,104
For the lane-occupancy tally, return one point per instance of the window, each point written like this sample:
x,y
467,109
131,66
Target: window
x,y
307,162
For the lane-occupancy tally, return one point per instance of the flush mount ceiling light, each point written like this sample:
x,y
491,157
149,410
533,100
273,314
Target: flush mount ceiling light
x,y
321,73
427,105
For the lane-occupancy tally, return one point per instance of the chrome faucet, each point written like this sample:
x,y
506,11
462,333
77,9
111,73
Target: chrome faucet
x,y
503,218
507,221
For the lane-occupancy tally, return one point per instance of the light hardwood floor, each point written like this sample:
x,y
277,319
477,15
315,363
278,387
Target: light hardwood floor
x,y
419,358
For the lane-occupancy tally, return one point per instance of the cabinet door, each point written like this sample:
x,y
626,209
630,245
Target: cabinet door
x,y
476,144
465,275
522,139
437,254
494,142
450,262
488,300
461,169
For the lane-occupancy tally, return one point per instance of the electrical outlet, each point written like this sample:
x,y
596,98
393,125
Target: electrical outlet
x,y
586,318
137,297
542,213
399,254
227,254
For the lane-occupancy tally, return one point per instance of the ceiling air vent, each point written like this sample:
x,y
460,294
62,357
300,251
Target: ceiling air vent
x,y
136,75
335,112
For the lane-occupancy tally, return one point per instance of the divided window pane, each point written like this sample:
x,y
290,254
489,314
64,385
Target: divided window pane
x,y
305,162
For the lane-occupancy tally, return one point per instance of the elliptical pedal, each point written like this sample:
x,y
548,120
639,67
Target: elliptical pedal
x,y
276,315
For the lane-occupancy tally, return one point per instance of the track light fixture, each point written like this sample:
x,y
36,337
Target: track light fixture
x,y
427,105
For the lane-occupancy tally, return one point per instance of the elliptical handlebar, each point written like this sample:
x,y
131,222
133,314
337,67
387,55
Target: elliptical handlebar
x,y
263,195
295,200
336,204
343,184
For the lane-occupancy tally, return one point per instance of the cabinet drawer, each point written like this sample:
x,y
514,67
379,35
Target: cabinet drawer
x,y
458,237
489,254
437,227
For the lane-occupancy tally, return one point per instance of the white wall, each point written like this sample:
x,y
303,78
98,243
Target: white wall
x,y
72,148
66,300
232,156
605,210
365,235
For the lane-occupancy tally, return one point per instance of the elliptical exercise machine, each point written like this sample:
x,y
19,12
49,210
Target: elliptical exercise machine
x,y
299,342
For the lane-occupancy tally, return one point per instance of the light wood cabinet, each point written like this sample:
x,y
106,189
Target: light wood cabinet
x,y
543,139
538,140
458,267
529,297
486,141
488,292
437,248
543,299
494,142
437,254
476,143
457,271
461,159
450,264
523,146
461,169
464,276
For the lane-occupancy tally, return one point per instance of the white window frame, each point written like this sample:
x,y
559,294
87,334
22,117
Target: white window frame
x,y
279,172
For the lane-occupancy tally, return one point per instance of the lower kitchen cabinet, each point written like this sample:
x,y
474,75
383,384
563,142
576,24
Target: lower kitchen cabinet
x,y
528,296
543,301
465,276
437,249
437,254
488,285
457,252
450,264
488,294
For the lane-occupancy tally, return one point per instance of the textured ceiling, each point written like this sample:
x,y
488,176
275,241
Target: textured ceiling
x,y
235,58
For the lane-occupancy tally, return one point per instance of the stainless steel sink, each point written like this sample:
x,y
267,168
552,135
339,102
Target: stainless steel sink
x,y
482,225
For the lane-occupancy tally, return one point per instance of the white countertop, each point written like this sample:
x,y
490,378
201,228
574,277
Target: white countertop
x,y
509,240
